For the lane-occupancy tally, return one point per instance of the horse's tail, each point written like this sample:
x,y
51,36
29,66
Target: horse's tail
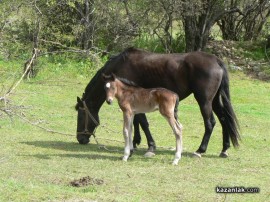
x,y
223,108
176,108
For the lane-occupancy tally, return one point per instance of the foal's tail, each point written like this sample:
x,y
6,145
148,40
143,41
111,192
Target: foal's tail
x,y
223,108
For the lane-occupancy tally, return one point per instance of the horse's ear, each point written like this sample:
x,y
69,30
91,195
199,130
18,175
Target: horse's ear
x,y
110,77
106,77
79,103
113,76
79,100
103,76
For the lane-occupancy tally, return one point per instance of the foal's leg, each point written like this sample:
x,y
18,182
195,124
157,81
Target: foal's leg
x,y
177,129
127,134
130,137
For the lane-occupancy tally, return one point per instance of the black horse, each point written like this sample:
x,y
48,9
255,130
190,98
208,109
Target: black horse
x,y
199,73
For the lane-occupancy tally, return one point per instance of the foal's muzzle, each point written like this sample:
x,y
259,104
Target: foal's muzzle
x,y
109,101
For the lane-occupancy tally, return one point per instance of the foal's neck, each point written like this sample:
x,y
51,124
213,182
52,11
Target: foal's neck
x,y
122,88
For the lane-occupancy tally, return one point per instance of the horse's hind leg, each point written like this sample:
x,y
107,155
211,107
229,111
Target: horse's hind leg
x,y
145,127
217,107
137,135
209,123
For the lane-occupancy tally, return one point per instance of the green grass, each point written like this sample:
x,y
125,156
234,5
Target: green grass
x,y
38,166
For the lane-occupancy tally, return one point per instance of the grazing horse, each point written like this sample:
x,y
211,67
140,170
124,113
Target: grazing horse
x,y
198,73
134,100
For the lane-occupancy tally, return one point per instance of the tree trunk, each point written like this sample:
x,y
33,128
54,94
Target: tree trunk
x,y
196,32
268,42
86,12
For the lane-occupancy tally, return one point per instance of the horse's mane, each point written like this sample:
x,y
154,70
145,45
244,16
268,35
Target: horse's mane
x,y
121,56
128,82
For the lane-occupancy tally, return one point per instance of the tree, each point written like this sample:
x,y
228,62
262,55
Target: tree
x,y
247,22
198,18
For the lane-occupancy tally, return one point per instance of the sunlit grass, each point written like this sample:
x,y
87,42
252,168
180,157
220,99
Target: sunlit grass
x,y
38,166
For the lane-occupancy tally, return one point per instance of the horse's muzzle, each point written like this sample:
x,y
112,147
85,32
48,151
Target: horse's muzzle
x,y
83,139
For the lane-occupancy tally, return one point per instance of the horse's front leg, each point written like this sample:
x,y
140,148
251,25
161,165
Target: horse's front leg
x,y
127,133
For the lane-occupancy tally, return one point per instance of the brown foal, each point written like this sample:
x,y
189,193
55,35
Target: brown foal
x,y
134,100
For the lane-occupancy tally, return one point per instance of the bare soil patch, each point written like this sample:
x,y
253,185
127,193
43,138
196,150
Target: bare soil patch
x,y
86,181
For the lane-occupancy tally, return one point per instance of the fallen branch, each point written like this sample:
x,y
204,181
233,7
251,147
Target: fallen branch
x,y
25,72
41,127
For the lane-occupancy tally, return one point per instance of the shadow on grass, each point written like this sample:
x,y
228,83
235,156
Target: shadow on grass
x,y
70,146
90,150
94,148
79,156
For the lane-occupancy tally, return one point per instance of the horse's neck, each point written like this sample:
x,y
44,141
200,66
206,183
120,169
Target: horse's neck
x,y
95,97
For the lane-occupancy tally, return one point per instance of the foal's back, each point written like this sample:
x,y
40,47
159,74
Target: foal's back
x,y
149,100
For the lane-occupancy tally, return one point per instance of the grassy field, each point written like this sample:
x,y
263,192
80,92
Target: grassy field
x,y
37,165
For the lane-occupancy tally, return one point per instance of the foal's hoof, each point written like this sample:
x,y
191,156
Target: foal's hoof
x,y
174,164
197,155
149,154
124,158
223,155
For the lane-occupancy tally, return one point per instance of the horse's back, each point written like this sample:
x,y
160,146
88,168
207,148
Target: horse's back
x,y
183,73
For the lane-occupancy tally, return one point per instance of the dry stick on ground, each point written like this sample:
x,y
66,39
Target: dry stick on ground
x,y
25,72
4,98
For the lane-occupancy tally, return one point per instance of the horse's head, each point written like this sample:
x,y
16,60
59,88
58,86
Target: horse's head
x,y
110,87
86,122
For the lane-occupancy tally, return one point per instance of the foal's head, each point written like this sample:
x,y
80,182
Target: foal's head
x,y
110,87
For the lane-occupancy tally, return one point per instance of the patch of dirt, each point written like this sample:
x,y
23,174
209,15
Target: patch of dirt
x,y
86,181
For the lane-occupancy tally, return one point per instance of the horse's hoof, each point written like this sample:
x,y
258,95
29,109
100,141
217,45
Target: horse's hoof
x,y
197,155
223,155
149,154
